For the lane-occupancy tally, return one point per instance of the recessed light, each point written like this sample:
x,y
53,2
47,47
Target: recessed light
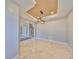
x,y
38,17
42,22
51,12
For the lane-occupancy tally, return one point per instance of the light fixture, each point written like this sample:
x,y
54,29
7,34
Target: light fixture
x,y
52,12
42,22
39,18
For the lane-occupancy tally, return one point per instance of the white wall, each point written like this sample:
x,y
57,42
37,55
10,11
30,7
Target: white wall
x,y
70,29
58,29
55,30
11,28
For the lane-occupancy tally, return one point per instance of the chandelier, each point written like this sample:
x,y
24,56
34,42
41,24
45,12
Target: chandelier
x,y
40,18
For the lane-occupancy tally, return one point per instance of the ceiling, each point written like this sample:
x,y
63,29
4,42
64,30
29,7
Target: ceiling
x,y
62,8
46,6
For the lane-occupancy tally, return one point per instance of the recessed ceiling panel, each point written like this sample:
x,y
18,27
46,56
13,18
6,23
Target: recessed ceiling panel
x,y
47,6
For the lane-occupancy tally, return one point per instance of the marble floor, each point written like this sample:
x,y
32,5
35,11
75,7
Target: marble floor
x,y
41,49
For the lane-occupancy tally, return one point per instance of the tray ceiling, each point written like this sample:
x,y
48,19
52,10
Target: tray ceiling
x,y
63,8
47,6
